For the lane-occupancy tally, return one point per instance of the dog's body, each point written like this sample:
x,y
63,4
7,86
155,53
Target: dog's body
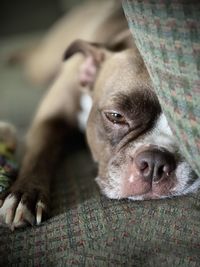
x,y
129,137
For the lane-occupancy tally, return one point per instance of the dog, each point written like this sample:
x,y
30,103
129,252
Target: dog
x,y
106,89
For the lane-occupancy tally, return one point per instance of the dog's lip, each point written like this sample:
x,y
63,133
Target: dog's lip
x,y
152,195
148,195
154,192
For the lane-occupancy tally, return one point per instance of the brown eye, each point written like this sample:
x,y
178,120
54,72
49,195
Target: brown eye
x,y
115,117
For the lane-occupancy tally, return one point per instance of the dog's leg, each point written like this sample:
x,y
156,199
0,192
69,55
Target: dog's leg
x,y
28,198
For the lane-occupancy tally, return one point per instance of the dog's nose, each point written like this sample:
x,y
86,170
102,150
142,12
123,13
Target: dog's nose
x,y
155,164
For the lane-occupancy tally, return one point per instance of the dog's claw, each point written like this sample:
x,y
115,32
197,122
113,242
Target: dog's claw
x,y
8,208
9,216
23,215
15,213
39,210
18,215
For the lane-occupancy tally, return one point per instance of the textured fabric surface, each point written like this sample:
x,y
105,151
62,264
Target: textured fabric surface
x,y
85,228
167,34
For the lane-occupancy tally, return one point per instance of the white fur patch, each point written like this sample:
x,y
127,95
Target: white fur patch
x,y
85,104
6,210
161,135
9,202
15,214
113,191
131,179
193,188
183,174
141,197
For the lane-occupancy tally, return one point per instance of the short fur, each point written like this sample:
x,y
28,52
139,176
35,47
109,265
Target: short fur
x,y
118,83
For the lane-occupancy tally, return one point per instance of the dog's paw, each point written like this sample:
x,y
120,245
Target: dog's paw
x,y
19,208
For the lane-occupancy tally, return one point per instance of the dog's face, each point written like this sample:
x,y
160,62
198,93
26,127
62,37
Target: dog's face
x,y
128,134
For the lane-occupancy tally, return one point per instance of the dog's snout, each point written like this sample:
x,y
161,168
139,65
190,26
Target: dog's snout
x,y
155,164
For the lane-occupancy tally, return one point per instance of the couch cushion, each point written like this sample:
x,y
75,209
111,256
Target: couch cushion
x,y
167,34
87,229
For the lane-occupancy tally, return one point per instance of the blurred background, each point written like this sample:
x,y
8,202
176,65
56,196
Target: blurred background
x,y
25,16
23,22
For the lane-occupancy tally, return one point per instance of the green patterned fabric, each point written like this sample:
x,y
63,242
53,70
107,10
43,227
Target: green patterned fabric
x,y
167,33
87,229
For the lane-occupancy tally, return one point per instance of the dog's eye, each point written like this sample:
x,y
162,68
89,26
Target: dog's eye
x,y
115,117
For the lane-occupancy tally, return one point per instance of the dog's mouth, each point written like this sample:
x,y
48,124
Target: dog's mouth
x,y
148,189
148,196
126,181
137,190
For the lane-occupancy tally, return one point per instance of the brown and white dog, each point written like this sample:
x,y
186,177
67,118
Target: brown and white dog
x,y
129,137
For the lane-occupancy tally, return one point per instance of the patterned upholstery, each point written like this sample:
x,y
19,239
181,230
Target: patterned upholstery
x,y
167,34
87,229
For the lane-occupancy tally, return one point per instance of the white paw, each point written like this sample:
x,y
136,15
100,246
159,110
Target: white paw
x,y
15,214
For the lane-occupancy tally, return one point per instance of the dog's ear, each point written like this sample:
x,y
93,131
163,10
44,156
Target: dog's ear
x,y
94,55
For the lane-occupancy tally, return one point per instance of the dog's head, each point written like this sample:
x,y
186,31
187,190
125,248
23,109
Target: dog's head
x,y
128,134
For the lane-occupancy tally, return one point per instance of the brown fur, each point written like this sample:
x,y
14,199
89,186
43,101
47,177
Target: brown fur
x,y
56,117
119,84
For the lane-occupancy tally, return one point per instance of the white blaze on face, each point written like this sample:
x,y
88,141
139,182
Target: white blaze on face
x,y
161,135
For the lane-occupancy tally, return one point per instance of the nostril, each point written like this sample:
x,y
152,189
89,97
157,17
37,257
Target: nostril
x,y
160,170
164,164
143,165
155,164
158,173
167,169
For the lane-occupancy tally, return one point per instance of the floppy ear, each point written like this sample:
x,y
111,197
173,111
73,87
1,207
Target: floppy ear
x,y
94,56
